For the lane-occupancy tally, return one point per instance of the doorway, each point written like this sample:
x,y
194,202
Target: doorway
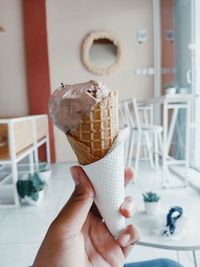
x,y
179,64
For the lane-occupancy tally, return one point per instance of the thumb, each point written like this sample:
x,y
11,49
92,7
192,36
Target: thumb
x,y
74,213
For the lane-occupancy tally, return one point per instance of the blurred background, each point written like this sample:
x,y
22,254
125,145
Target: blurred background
x,y
150,52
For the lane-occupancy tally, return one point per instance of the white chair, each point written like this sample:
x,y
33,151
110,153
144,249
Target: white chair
x,y
147,112
141,135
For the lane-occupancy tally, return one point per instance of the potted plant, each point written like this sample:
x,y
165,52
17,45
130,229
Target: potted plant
x,y
183,90
31,189
170,89
44,172
151,201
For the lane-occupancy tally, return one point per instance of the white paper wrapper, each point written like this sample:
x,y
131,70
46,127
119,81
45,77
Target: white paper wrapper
x,y
107,178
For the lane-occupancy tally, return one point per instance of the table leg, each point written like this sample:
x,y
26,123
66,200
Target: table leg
x,y
195,258
36,158
31,163
15,179
171,128
164,154
12,151
178,256
187,143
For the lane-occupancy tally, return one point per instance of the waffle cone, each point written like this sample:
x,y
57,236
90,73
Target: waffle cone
x,y
97,132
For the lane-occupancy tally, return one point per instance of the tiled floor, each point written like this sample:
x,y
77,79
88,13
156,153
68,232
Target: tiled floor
x,y
22,229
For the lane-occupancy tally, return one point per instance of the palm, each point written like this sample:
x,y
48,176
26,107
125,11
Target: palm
x,y
78,236
98,246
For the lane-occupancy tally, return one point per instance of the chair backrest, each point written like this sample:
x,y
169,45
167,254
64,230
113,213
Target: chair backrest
x,y
122,117
145,113
129,113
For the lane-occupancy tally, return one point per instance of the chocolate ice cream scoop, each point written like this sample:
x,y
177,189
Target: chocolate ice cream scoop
x,y
69,103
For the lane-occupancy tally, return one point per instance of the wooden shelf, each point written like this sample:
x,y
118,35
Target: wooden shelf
x,y
21,137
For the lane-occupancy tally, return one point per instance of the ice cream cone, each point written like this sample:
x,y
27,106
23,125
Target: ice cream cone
x,y
97,132
88,114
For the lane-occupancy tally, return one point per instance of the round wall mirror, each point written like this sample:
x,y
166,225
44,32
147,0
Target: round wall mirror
x,y
101,52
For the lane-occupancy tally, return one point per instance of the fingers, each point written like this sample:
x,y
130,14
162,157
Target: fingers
x,y
128,238
104,244
128,207
74,213
128,175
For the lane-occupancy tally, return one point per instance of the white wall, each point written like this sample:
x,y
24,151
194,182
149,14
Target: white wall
x,y
70,21
13,96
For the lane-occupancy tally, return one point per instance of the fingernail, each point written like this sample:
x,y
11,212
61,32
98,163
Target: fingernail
x,y
124,240
129,172
128,206
75,175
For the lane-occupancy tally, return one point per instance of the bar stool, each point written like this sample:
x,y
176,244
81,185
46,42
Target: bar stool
x,y
145,135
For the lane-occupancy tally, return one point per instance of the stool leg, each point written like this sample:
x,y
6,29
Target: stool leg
x,y
126,152
131,146
145,150
160,142
149,150
137,155
156,150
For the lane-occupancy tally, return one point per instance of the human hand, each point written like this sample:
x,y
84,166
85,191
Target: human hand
x,y
79,238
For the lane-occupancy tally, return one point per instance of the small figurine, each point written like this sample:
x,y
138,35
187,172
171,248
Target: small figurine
x,y
174,214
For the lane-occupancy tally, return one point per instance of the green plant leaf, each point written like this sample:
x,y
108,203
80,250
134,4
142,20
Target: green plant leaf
x,y
31,186
35,196
151,197
168,85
